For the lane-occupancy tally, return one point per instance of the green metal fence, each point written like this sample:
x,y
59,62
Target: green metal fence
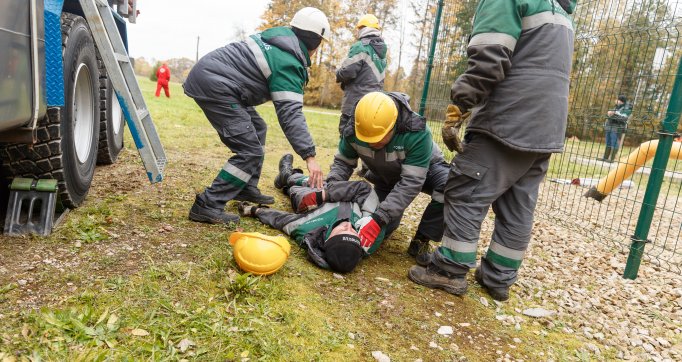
x,y
623,47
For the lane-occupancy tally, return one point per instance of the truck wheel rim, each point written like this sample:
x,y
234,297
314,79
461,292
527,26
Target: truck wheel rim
x,y
116,114
83,113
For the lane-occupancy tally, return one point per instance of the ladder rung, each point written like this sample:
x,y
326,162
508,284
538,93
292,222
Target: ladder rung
x,y
122,58
142,113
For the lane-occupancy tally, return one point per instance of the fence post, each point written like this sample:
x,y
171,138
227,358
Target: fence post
x,y
653,187
429,63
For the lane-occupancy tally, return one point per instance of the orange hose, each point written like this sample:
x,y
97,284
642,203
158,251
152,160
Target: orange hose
x,y
636,160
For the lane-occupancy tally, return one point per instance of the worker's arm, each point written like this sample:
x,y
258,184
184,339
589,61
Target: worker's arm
x,y
359,192
286,90
412,177
497,27
352,64
345,161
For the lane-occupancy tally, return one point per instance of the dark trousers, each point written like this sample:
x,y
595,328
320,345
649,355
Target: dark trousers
x,y
489,173
243,131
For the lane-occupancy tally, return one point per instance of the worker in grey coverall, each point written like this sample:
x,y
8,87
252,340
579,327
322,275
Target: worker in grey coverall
x,y
516,90
407,163
228,82
364,69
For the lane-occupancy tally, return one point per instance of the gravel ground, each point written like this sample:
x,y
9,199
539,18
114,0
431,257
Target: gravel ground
x,y
574,274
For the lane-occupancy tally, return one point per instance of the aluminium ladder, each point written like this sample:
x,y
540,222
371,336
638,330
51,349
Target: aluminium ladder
x,y
120,71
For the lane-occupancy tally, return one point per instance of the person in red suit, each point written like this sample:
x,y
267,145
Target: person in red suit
x,y
162,78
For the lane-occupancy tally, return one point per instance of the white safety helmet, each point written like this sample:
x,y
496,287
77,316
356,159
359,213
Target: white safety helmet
x,y
313,20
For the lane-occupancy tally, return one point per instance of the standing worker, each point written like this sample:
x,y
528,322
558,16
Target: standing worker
x,y
162,78
228,82
516,90
402,160
615,126
365,68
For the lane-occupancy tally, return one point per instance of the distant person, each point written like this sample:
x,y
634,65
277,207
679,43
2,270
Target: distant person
x,y
615,126
228,82
162,78
364,69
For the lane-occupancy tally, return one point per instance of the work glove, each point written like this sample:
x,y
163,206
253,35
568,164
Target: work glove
x,y
368,231
310,202
454,119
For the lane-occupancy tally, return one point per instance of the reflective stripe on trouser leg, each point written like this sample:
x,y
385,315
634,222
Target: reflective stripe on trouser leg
x,y
513,225
233,124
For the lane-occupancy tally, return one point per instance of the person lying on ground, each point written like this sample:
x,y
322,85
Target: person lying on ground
x,y
326,221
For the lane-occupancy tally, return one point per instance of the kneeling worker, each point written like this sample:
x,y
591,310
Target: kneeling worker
x,y
228,82
396,146
326,220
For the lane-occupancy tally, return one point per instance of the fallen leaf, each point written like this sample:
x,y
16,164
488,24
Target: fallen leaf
x,y
139,332
185,344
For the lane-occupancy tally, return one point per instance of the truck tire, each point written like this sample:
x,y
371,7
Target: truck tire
x,y
81,116
67,137
111,122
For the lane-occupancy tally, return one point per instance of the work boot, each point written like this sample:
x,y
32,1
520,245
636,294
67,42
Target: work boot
x,y
614,152
420,250
607,152
435,278
500,294
252,194
286,168
202,213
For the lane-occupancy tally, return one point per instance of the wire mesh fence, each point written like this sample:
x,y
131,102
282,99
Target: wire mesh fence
x,y
628,48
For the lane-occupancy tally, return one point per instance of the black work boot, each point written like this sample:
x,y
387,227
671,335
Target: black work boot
x,y
252,194
614,152
607,153
435,278
202,213
500,294
420,250
286,168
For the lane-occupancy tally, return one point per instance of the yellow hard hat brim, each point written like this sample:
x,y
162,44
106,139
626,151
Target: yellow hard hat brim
x,y
372,139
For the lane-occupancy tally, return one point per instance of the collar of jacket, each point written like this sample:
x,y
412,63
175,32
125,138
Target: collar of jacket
x,y
367,32
408,120
284,38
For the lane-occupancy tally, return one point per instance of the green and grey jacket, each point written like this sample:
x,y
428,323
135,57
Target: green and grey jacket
x,y
620,117
517,79
364,70
401,165
267,66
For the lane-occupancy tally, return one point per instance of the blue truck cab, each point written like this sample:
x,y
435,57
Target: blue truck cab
x,y
59,115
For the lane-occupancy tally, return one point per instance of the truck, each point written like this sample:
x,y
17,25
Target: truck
x,y
60,114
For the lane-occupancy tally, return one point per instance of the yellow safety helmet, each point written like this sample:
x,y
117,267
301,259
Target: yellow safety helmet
x,y
375,116
369,21
259,254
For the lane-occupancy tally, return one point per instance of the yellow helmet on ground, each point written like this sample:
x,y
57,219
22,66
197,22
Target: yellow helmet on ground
x,y
375,116
259,254
369,21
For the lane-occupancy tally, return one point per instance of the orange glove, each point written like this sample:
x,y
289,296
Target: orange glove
x,y
454,119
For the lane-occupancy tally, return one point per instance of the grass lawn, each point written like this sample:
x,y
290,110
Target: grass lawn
x,y
129,277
